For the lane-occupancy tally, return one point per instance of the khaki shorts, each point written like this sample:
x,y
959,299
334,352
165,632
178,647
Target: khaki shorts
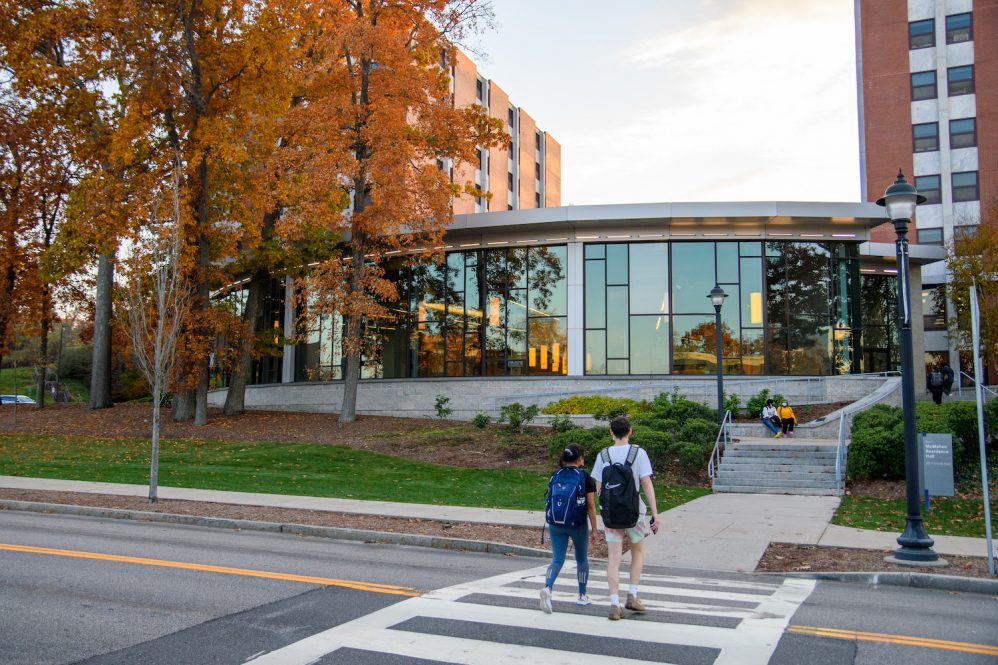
x,y
636,533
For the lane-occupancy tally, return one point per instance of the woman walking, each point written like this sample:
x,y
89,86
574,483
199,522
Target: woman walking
x,y
571,513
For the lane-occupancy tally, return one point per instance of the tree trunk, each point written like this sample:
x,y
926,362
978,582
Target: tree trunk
x,y
154,457
183,405
100,373
235,398
204,304
43,349
354,338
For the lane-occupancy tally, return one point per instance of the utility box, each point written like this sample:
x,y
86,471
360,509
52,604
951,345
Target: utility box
x,y
935,473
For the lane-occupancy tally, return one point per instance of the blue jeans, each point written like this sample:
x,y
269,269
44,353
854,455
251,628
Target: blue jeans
x,y
773,427
559,547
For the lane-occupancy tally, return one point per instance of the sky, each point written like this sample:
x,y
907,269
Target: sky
x,y
685,100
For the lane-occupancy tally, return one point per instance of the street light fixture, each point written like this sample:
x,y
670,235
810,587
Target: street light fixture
x,y
915,548
717,296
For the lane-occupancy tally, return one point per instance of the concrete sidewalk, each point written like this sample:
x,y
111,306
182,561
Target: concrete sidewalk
x,y
725,532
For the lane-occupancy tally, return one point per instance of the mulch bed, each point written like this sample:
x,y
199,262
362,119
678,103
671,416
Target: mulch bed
x,y
784,557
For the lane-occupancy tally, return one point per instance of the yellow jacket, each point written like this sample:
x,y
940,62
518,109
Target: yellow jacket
x,y
786,413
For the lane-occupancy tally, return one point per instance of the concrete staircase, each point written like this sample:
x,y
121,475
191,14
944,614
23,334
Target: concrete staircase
x,y
779,466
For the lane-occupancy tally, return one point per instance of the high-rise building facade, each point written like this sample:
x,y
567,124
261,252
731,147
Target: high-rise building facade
x,y
928,103
524,174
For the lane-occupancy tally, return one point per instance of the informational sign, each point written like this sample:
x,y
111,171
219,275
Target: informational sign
x,y
936,470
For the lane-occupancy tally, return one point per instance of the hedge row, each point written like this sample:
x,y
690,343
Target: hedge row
x,y
877,447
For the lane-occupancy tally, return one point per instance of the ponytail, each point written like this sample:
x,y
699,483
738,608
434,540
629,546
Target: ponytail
x,y
571,453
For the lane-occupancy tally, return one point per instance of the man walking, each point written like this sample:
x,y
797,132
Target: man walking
x,y
612,464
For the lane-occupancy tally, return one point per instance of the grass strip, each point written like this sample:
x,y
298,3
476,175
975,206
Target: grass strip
x,y
284,468
947,516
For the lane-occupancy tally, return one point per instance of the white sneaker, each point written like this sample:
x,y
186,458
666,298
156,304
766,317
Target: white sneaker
x,y
584,600
546,600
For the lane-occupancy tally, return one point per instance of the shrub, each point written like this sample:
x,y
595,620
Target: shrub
x,y
562,423
733,404
657,444
691,456
592,440
753,409
699,430
442,405
596,404
516,415
675,406
75,363
481,420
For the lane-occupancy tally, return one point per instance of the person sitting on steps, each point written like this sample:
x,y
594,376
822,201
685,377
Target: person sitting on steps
x,y
787,417
770,419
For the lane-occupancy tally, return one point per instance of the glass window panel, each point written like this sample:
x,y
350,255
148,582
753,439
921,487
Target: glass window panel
x,y
727,262
616,321
752,351
516,264
960,80
472,355
930,236
393,350
547,353
649,278
455,272
692,276
807,278
959,28
923,85
810,347
616,264
750,248
922,34
776,287
963,133
694,342
928,186
965,186
925,136
455,339
428,344
843,351
595,251
751,292
617,367
650,344
495,334
547,291
595,352
516,313
777,343
595,287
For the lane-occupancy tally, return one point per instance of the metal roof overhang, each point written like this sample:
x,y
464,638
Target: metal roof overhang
x,y
731,220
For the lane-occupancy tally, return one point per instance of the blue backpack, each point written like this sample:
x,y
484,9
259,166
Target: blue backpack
x,y
566,497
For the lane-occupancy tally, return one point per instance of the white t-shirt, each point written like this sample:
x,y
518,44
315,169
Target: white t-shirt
x,y
640,468
768,412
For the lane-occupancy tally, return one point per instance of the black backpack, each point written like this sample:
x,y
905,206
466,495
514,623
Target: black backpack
x,y
619,503
936,379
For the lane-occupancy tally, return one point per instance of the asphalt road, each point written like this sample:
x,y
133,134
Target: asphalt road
x,y
103,591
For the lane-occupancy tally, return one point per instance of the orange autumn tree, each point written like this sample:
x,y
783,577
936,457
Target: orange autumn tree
x,y
376,118
973,259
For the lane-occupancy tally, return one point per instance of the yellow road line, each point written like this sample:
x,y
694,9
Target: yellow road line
x,y
909,640
373,587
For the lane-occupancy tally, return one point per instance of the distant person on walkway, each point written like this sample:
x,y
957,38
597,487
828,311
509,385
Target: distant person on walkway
x,y
570,515
623,511
771,419
948,377
787,417
935,382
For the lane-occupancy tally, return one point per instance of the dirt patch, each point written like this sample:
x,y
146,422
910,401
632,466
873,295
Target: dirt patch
x,y
447,442
784,558
510,535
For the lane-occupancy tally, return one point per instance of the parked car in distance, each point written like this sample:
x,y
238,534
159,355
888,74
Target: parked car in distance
x,y
19,399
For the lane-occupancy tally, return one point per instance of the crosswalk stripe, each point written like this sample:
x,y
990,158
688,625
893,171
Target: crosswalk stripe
x,y
646,578
750,641
566,580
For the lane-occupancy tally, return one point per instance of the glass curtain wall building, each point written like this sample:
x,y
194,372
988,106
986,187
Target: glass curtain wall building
x,y
794,308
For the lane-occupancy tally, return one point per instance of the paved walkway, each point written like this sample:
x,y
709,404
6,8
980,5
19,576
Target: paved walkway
x,y
726,532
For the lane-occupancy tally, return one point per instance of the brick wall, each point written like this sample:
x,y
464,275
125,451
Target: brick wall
x,y
498,157
552,172
528,169
986,88
465,77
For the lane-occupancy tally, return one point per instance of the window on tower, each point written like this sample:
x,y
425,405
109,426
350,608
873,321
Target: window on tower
x,y
922,34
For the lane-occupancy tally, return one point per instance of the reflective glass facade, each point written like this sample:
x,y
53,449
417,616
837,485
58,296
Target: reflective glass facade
x,y
793,308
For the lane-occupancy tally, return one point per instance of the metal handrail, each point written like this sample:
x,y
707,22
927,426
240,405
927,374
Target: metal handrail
x,y
723,436
986,389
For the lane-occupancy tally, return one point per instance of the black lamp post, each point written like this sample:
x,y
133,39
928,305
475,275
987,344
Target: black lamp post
x,y
900,200
717,296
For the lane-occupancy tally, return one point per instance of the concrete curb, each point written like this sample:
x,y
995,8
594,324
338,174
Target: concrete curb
x,y
332,532
916,580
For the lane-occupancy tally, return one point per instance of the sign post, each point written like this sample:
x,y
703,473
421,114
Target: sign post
x,y
936,471
978,375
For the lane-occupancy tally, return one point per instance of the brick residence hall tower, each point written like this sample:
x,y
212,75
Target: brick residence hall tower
x,y
928,103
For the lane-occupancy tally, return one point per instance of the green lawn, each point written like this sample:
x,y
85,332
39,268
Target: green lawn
x,y
279,468
79,391
947,516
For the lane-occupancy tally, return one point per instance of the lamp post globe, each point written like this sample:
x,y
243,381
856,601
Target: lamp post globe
x,y
716,297
899,202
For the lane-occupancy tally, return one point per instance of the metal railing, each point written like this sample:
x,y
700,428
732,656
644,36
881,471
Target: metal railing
x,y
846,414
990,391
723,439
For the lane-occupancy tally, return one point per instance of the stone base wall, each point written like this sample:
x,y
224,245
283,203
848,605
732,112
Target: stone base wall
x,y
416,397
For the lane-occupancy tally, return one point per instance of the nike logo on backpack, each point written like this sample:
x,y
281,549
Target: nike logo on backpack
x,y
610,487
